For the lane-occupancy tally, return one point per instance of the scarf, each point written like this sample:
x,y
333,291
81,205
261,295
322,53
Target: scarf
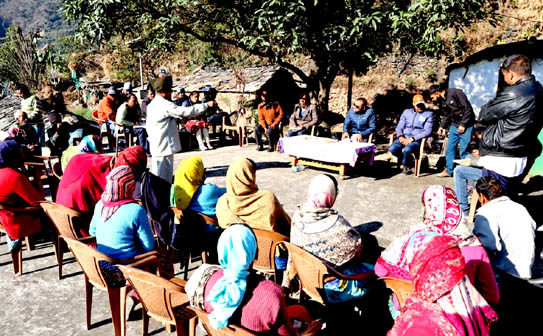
x,y
119,190
236,251
133,157
88,144
439,276
10,155
244,203
322,192
189,176
442,216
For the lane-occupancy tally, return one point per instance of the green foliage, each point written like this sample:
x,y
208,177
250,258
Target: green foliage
x,y
334,34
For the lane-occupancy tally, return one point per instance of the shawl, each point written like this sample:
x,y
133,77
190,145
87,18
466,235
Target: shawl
x,y
133,157
442,216
10,155
205,199
236,251
439,276
322,192
244,203
119,190
81,189
189,176
422,318
87,145
156,204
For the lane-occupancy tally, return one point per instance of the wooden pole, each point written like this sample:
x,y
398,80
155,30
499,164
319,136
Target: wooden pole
x,y
350,89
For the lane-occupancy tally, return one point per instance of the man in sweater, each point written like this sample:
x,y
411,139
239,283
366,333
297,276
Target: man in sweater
x,y
270,115
162,127
415,124
456,115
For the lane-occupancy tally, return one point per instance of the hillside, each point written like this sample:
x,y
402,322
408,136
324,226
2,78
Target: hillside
x,y
31,15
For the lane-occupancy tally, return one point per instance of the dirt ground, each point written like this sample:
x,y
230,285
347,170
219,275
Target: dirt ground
x,y
378,201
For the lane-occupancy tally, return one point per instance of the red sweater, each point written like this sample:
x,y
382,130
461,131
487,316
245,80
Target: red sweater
x,y
17,192
107,109
261,309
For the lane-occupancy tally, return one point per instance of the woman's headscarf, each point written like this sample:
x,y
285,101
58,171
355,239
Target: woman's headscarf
x,y
10,155
119,190
439,276
189,176
322,192
236,251
133,157
442,216
244,203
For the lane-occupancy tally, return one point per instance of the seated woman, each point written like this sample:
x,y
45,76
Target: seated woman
x,y
190,192
120,224
89,144
320,230
231,294
244,203
16,192
444,300
442,216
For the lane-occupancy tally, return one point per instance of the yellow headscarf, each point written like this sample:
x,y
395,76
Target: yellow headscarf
x,y
244,203
189,176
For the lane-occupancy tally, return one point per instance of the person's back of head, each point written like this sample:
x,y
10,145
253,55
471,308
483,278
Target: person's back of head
x,y
489,188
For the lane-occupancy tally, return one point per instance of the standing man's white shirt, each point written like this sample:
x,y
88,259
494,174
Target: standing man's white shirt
x,y
163,134
506,228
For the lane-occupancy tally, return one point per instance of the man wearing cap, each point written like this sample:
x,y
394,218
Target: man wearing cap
x,y
180,97
456,115
126,93
415,124
513,120
162,127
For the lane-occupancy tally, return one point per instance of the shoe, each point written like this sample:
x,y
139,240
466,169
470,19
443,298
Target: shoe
x,y
260,148
270,149
406,170
444,173
210,147
202,149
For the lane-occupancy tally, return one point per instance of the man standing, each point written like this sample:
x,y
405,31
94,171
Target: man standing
x,y
270,115
162,128
415,124
304,117
457,115
359,122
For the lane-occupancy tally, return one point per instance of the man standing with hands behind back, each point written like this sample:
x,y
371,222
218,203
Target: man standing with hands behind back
x,y
457,115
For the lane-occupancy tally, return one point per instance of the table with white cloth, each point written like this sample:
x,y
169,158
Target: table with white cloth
x,y
327,153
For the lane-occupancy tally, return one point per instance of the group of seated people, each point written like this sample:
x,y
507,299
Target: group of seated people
x,y
452,268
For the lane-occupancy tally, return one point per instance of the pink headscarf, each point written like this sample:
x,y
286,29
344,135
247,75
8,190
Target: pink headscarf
x,y
322,192
119,190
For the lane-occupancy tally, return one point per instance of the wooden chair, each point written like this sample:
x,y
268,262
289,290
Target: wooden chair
x,y
268,242
313,273
401,288
473,204
17,256
120,132
104,133
65,221
163,300
234,330
89,258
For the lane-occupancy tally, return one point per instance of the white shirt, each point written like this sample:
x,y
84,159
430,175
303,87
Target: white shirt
x,y
505,166
161,126
507,229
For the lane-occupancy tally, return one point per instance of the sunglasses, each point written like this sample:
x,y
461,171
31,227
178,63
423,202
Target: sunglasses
x,y
358,106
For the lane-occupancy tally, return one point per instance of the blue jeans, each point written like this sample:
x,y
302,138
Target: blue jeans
x,y
455,138
462,176
40,131
401,152
299,132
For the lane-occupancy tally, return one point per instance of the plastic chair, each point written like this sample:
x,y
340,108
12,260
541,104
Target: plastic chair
x,y
268,242
240,129
401,288
417,158
313,273
162,299
234,330
473,204
65,221
17,256
89,258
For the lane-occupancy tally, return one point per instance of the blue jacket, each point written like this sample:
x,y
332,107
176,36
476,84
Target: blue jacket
x,y
415,125
359,123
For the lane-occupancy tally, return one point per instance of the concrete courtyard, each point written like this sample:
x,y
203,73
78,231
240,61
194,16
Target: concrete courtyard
x,y
378,200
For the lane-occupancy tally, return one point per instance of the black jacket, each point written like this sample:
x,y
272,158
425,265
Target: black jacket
x,y
513,119
457,109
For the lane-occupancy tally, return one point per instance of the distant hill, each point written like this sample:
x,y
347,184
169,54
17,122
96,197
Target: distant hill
x,y
33,14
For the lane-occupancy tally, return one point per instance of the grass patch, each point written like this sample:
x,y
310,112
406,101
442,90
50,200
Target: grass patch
x,y
84,112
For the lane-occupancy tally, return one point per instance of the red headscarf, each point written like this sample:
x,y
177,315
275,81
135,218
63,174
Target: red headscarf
x,y
133,157
119,190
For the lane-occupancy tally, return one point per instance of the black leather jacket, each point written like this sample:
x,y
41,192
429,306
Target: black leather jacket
x,y
513,119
